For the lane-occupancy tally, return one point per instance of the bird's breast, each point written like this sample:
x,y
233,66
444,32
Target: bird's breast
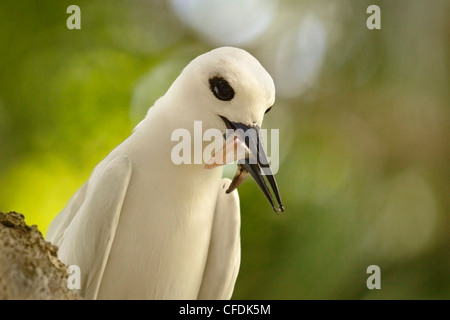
x,y
161,243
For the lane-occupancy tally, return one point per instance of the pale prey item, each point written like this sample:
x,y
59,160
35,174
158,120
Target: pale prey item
x,y
143,227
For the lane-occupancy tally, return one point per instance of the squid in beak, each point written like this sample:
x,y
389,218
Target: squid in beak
x,y
244,143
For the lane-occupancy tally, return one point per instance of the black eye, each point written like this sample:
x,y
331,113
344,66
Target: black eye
x,y
267,110
221,89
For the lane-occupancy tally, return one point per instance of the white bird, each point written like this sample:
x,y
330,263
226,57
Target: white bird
x,y
143,227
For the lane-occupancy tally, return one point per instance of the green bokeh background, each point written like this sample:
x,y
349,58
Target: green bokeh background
x,y
364,168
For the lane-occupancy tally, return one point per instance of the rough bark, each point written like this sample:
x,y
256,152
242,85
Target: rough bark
x,y
29,267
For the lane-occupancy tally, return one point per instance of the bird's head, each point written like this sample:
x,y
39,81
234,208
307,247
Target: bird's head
x,y
230,89
236,85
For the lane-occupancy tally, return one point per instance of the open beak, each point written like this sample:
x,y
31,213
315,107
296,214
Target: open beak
x,y
245,145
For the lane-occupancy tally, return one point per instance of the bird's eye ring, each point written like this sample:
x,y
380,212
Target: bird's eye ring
x,y
221,89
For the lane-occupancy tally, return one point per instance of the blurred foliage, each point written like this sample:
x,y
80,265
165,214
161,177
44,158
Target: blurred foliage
x,y
364,168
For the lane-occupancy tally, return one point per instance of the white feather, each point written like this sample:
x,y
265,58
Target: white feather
x,y
224,253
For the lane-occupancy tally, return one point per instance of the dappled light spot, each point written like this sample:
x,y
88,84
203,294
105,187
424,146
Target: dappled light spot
x,y
40,186
299,57
407,223
231,22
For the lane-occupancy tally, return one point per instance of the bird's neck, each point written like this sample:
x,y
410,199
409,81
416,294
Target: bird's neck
x,y
184,137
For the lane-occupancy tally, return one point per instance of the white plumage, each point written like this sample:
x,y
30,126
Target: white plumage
x,y
142,227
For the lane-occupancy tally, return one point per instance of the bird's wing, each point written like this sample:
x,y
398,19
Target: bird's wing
x,y
224,253
58,227
87,240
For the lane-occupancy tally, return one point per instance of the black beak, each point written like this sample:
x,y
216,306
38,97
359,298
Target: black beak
x,y
256,163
